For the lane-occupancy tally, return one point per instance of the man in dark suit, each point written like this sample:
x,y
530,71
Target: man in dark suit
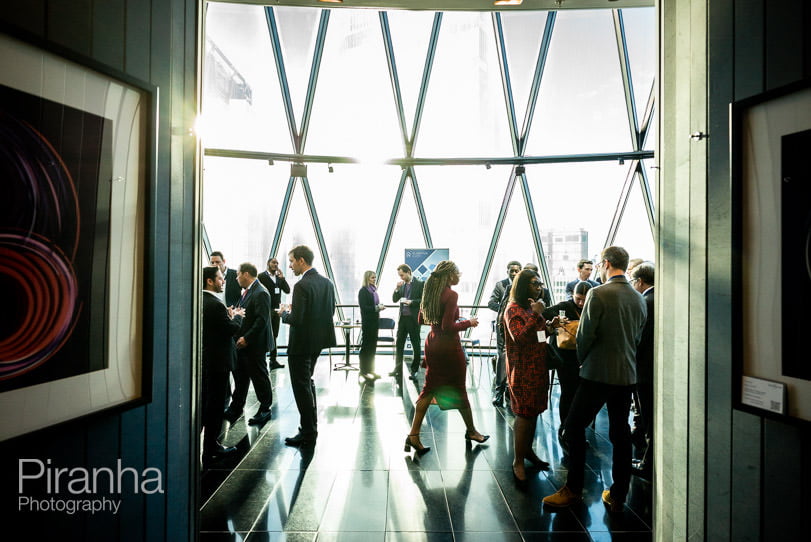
x,y
219,354
584,270
311,330
408,294
610,328
273,280
254,340
643,277
232,290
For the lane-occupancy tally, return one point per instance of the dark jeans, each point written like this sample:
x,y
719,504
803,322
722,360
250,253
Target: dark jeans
x,y
301,379
251,368
569,378
588,400
408,327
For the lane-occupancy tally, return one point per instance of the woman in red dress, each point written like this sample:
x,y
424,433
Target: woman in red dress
x,y
444,357
527,374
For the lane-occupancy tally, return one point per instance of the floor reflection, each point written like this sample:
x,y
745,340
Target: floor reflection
x,y
356,483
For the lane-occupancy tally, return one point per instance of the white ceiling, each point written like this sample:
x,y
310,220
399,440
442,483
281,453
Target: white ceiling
x,y
456,5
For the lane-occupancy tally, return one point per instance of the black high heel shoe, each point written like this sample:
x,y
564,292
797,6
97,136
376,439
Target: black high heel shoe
x,y
419,448
469,435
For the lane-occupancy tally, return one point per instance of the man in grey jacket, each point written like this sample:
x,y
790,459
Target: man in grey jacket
x,y
610,328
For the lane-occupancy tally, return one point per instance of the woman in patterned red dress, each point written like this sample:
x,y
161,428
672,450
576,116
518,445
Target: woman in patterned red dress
x,y
527,374
444,357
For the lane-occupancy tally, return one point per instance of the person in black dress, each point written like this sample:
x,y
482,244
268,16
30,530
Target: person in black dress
x,y
370,308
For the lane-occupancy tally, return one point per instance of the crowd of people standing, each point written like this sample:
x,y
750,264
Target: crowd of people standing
x,y
606,361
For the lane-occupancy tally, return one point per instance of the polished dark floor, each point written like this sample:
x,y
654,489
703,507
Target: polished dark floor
x,y
356,483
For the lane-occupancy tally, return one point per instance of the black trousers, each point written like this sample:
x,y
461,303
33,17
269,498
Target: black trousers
x,y
252,368
645,393
408,327
368,346
588,400
301,368
214,393
275,320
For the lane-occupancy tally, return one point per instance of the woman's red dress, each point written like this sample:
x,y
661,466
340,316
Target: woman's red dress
x,y
527,374
445,358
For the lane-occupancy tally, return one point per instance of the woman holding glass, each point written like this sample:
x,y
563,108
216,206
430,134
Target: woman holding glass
x,y
528,377
444,356
370,308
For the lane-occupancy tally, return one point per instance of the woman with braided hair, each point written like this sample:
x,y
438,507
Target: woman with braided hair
x,y
444,357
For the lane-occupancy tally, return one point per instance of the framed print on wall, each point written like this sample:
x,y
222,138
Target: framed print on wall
x,y
771,183
77,153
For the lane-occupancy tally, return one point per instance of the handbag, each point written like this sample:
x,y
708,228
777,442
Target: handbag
x,y
566,335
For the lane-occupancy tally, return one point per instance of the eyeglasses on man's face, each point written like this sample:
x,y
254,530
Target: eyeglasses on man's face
x,y
535,283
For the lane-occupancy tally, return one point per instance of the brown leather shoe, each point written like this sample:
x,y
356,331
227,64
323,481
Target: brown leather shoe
x,y
562,498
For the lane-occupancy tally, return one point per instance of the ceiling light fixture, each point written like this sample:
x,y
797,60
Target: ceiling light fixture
x,y
508,2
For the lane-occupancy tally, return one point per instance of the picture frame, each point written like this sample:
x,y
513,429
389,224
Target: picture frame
x,y
771,195
78,148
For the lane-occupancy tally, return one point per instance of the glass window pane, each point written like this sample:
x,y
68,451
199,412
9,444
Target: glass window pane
x,y
354,228
410,36
241,105
522,38
353,108
640,37
569,198
581,105
298,29
634,233
465,113
407,233
241,217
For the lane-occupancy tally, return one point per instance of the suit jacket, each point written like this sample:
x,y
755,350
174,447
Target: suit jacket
x,y
218,332
498,294
415,295
644,352
256,323
281,284
233,291
310,319
570,286
610,328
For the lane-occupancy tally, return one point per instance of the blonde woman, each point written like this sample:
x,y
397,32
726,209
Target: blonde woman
x,y
444,357
370,308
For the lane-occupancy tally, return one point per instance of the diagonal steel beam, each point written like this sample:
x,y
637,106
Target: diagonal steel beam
x,y
283,212
275,43
426,233
505,80
622,202
536,234
627,80
543,53
491,250
319,236
395,80
318,54
395,210
426,76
